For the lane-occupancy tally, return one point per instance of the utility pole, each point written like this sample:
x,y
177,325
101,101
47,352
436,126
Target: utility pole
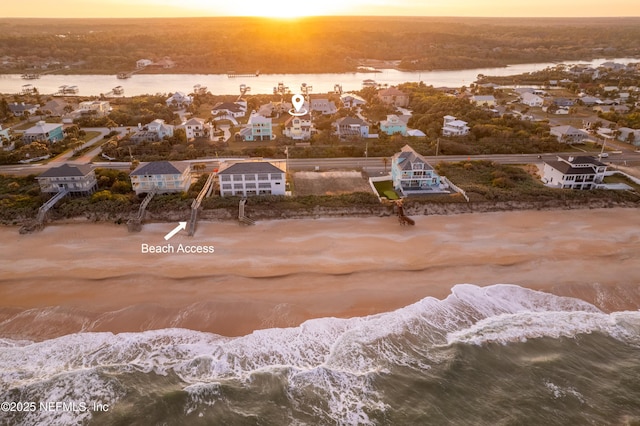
x,y
437,145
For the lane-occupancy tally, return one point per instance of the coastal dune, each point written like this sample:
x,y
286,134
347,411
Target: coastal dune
x,y
76,277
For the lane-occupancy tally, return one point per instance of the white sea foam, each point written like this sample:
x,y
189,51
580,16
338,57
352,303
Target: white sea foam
x,y
335,359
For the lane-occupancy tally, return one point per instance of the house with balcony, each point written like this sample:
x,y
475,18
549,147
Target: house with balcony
x,y
411,174
165,176
155,131
298,127
579,172
351,127
394,96
454,127
76,179
195,128
251,178
258,128
393,125
43,132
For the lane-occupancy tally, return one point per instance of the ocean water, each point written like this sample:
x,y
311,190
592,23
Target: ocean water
x,y
497,355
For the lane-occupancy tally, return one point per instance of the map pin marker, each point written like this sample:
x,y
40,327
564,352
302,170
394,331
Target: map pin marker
x,y
298,102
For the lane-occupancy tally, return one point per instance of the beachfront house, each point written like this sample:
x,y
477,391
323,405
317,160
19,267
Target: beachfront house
x,y
298,127
258,128
251,178
165,176
393,125
43,132
351,127
76,179
579,172
568,134
411,174
454,127
155,131
179,100
394,96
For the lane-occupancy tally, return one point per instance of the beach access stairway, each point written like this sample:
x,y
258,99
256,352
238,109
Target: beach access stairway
x,y
135,224
404,220
244,219
195,205
42,213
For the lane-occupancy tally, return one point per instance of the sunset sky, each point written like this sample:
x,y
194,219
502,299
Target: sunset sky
x,y
288,8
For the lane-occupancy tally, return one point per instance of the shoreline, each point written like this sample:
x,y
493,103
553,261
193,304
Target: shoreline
x,y
93,277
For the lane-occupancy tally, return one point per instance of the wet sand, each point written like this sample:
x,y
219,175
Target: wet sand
x,y
93,277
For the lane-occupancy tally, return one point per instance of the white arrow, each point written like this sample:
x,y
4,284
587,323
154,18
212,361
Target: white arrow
x,y
181,226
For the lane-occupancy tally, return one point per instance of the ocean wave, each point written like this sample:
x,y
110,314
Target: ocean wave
x,y
333,359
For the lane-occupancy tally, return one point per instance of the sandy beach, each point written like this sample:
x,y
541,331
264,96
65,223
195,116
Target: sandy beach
x,y
94,277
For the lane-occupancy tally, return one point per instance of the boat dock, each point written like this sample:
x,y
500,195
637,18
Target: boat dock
x,y
233,74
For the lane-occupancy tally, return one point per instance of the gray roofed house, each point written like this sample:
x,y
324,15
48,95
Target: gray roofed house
x,y
77,179
574,172
19,109
164,176
568,134
412,174
351,126
252,178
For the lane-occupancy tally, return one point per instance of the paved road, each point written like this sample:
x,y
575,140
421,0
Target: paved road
x,y
371,164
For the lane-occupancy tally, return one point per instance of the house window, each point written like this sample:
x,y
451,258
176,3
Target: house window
x,y
237,177
249,177
251,185
237,186
263,176
264,185
226,186
276,176
225,178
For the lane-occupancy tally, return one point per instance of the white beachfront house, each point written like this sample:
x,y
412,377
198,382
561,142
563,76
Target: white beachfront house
x,y
251,178
453,127
532,100
179,99
580,172
165,176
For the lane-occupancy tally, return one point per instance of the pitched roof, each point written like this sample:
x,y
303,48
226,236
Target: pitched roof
x,y
41,128
407,157
349,121
68,170
16,107
582,159
229,106
194,122
160,168
249,168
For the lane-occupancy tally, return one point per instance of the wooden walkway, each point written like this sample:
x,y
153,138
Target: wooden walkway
x,y
135,224
195,206
42,213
